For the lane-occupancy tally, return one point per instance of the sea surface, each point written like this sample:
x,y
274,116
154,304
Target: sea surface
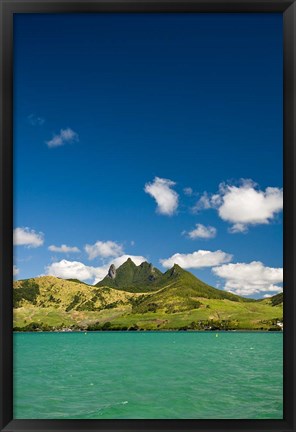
x,y
148,375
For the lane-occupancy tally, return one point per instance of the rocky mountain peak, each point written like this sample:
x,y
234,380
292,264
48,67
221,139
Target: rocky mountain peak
x,y
151,268
112,271
130,262
175,270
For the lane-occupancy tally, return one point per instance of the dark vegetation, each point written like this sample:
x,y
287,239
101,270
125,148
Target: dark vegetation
x,y
29,292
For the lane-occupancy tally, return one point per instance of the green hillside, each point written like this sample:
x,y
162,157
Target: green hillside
x,y
186,285
171,301
49,291
77,281
275,300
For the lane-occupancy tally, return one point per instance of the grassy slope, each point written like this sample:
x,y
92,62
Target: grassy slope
x,y
184,285
59,294
256,318
274,300
59,303
239,316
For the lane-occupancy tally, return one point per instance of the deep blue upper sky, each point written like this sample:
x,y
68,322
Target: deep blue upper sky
x,y
193,98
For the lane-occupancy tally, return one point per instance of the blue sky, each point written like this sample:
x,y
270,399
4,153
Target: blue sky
x,y
152,135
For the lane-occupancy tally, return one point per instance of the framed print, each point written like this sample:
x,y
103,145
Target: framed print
x,y
147,215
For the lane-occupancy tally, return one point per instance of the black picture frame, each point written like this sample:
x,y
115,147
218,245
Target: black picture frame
x,y
10,7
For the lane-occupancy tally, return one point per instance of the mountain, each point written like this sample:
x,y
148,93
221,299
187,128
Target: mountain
x,y
189,285
141,297
182,291
146,278
132,278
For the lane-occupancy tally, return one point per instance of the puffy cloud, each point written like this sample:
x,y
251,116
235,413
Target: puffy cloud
x,y
250,278
244,205
16,270
27,237
198,259
77,270
166,198
202,231
72,270
66,136
34,120
103,249
63,249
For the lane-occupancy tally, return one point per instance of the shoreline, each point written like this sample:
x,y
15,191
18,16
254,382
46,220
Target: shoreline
x,y
152,331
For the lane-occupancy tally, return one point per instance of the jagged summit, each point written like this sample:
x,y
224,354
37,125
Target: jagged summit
x,y
175,270
130,277
176,282
130,260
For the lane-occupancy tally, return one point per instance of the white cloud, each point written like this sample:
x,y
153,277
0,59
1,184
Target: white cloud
x,y
77,270
66,136
202,231
63,248
103,249
244,205
198,259
16,270
71,270
188,191
34,120
250,278
27,237
166,198
203,203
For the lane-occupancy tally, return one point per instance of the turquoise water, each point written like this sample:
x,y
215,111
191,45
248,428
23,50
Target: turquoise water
x,y
136,375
